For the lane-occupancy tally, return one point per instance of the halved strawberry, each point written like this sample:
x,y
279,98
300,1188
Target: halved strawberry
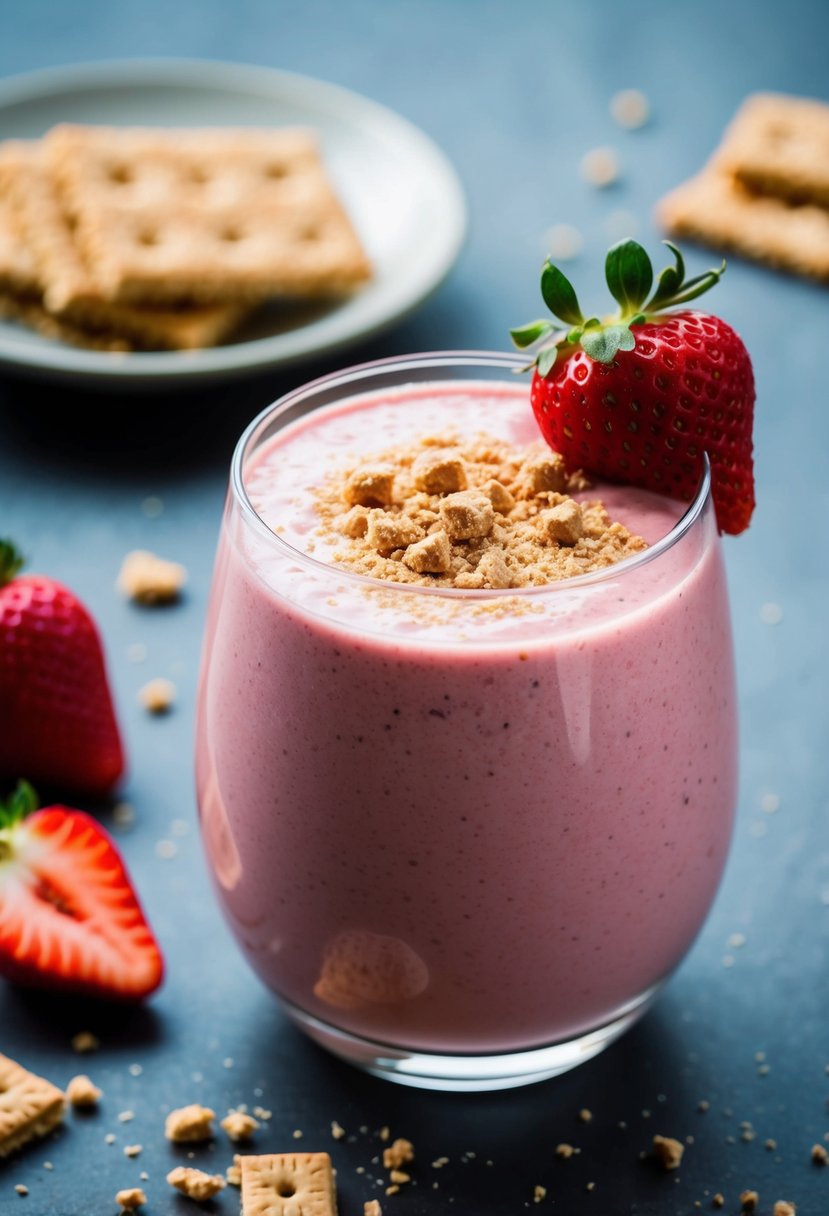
x,y
57,720
69,916
640,397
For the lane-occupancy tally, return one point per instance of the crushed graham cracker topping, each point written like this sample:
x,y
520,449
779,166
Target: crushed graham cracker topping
x,y
479,514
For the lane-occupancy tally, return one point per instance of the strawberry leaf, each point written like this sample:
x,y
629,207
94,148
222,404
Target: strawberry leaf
x,y
524,335
629,275
546,360
559,295
20,803
603,344
11,561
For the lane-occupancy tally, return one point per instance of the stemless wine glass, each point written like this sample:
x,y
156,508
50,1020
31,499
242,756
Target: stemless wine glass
x,y
464,836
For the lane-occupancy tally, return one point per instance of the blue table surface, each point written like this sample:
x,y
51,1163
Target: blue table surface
x,y
514,94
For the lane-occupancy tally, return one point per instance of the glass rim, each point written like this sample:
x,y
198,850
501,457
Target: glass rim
x,y
354,375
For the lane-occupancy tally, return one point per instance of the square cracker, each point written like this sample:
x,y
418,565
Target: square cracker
x,y
206,214
61,299
717,210
29,1106
288,1184
779,145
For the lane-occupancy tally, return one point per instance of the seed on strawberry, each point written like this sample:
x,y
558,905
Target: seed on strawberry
x,y
57,721
642,396
69,916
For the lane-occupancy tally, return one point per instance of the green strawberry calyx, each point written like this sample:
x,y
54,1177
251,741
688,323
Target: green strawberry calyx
x,y
629,275
11,561
20,803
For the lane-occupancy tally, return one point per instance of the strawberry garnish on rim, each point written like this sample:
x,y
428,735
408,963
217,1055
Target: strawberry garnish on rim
x,y
641,396
69,916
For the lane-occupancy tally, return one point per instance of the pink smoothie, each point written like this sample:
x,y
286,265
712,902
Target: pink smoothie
x,y
461,821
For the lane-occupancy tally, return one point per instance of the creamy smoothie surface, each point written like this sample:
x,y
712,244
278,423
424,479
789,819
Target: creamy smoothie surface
x,y
474,812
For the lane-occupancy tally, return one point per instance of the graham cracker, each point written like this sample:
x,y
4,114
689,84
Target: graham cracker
x,y
717,210
288,1184
29,1106
779,145
205,214
18,272
29,311
66,303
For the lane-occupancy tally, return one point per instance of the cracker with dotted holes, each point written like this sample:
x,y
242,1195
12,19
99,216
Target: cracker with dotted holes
x,y
779,145
29,1106
206,214
67,304
288,1184
714,209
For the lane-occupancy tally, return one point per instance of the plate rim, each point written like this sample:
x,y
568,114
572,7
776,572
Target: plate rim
x,y
259,354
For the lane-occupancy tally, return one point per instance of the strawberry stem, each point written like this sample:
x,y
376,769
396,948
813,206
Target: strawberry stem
x,y
629,275
11,561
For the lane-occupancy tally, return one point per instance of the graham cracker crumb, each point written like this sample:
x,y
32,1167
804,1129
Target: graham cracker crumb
x,y
669,1151
21,1189
718,1201
81,1092
539,1193
565,1150
157,696
400,1152
585,1115
233,1173
133,1150
372,1208
819,1155
189,1124
393,1189
513,523
195,1184
784,1208
148,579
337,1132
749,1200
126,1116
239,1126
131,1198
84,1042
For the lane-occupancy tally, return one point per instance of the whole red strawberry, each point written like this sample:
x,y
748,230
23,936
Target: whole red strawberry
x,y
57,721
641,397
69,917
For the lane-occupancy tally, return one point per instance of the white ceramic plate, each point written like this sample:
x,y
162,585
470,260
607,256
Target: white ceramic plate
x,y
401,192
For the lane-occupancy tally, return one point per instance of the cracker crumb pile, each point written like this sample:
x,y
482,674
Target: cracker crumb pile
x,y
479,515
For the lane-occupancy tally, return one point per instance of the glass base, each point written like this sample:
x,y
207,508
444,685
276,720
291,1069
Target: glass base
x,y
468,1073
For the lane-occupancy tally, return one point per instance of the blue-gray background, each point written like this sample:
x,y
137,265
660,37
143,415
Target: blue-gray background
x,y
515,93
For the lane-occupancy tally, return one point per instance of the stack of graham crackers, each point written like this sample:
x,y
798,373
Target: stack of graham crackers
x,y
147,239
765,191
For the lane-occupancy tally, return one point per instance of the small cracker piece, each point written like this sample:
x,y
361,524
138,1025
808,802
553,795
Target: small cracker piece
x,y
210,214
467,514
189,1124
431,555
238,1125
149,579
157,696
195,1184
130,1198
779,145
714,209
668,1151
563,522
439,472
82,1092
288,1184
30,1106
